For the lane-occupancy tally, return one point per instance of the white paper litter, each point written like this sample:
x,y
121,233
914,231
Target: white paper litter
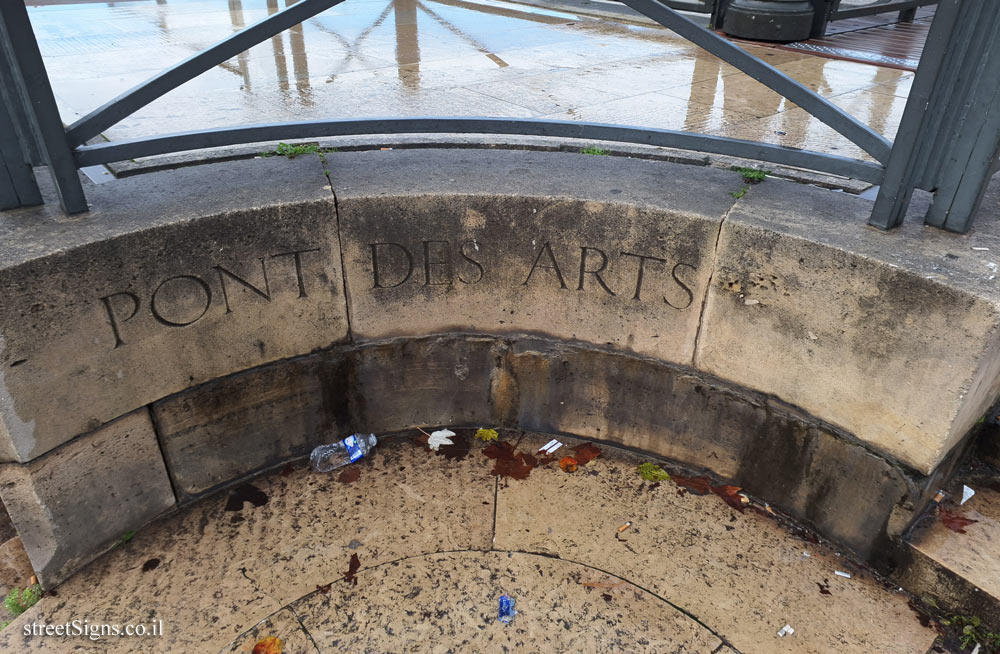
x,y
550,447
786,631
981,249
967,494
846,575
439,438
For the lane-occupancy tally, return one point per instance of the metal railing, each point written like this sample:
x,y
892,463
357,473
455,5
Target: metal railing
x,y
947,142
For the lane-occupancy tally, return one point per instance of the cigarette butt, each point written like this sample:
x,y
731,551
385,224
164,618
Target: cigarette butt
x,y
846,575
939,497
545,448
624,527
33,580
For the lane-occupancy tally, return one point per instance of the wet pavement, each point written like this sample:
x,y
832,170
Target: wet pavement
x,y
438,539
370,58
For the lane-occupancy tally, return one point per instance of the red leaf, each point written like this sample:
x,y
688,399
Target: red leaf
x,y
353,569
697,485
586,453
324,589
350,475
515,468
499,450
956,522
731,496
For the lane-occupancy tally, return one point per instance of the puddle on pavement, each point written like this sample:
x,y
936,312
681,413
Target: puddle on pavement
x,y
366,58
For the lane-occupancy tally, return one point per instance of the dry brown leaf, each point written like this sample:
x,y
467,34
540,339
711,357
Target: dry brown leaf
x,y
350,475
586,453
269,645
731,496
956,522
696,485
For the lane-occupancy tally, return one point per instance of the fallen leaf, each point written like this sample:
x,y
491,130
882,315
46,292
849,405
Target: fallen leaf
x,y
353,569
245,493
956,522
586,453
654,486
439,438
499,450
568,464
324,589
515,468
606,596
696,485
457,450
269,645
508,463
731,496
150,565
652,472
487,434
920,615
350,475
824,588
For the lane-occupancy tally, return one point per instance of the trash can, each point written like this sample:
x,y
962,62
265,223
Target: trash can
x,y
769,20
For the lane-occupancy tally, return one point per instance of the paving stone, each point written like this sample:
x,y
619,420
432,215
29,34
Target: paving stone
x,y
450,601
739,573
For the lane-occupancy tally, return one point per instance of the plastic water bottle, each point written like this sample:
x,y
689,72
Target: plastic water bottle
x,y
329,457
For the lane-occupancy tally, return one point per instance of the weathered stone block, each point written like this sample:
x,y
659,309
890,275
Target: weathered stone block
x,y
426,382
873,333
77,501
114,313
757,443
234,426
507,252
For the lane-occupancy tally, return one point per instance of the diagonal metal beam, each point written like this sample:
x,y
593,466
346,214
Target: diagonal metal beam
x,y
830,114
131,101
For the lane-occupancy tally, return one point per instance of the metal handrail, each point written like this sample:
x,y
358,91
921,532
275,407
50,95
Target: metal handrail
x,y
64,150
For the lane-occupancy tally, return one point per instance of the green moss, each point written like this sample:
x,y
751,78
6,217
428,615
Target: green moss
x,y
592,150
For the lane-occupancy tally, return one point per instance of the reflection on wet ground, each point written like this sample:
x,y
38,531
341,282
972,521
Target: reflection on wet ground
x,y
367,58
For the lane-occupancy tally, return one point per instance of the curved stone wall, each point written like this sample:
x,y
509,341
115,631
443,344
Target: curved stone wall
x,y
205,323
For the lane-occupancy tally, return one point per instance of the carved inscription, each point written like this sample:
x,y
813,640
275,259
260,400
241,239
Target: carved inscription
x,y
183,300
444,263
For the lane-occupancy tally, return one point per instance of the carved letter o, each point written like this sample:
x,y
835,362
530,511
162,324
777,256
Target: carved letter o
x,y
205,288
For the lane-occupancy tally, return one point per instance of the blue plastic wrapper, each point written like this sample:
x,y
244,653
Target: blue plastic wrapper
x,y
506,609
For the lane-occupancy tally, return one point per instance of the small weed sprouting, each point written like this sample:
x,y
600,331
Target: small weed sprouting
x,y
972,633
18,601
751,175
592,150
293,150
740,193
